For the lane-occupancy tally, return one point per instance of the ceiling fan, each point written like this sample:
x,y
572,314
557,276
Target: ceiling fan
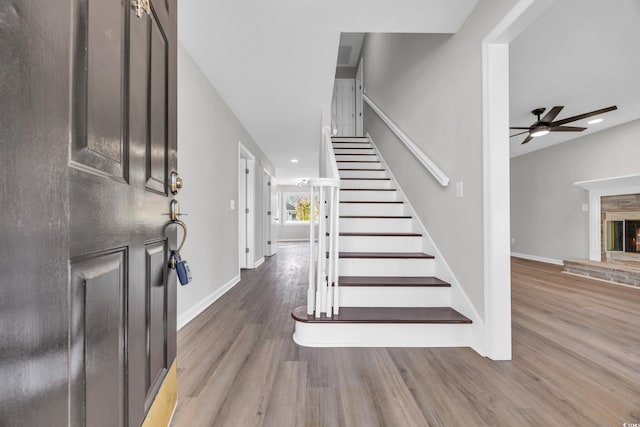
x,y
546,124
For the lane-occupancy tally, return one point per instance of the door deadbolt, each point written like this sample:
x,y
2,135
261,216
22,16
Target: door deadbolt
x,y
175,182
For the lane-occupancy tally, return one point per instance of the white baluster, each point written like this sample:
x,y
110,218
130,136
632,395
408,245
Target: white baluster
x,y
331,229
311,290
336,255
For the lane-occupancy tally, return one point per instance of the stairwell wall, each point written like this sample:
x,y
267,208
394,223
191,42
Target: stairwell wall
x,y
208,135
431,86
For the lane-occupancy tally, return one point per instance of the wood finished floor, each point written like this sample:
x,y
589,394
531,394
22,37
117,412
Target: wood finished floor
x,y
576,362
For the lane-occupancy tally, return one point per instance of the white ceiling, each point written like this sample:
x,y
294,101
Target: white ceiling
x,y
582,54
349,49
273,61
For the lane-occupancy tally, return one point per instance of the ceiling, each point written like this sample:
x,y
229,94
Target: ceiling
x,y
273,61
582,54
349,49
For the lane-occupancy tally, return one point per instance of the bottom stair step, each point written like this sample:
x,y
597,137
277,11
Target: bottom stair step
x,y
385,315
384,327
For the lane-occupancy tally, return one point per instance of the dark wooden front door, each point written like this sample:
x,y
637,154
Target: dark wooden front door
x,y
88,132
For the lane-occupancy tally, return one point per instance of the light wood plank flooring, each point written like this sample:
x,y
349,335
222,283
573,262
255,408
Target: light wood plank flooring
x,y
576,362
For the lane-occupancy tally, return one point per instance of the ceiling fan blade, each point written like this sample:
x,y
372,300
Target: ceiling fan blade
x,y
583,116
548,118
527,139
567,129
515,127
520,133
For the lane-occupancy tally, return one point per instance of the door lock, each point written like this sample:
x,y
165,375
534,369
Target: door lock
x,y
175,182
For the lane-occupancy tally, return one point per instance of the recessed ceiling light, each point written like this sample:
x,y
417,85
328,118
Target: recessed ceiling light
x,y
294,160
594,121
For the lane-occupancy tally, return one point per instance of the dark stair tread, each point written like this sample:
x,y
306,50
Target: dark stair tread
x,y
366,179
381,234
375,216
355,154
386,255
358,161
392,281
368,189
350,148
436,315
371,201
368,170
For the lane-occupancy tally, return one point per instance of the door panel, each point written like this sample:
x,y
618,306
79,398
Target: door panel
x,y
343,107
97,322
99,142
156,256
157,78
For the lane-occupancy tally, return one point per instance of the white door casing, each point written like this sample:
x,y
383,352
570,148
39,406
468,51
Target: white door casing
x,y
246,208
359,88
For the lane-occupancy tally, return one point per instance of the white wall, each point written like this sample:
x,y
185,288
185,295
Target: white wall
x,y
431,86
546,208
208,135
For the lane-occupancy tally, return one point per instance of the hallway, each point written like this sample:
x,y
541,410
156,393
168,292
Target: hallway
x,y
575,361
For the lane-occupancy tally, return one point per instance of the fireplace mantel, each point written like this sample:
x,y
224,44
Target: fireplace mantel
x,y
629,184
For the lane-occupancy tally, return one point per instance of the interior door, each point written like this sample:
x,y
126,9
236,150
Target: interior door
x,y
266,205
343,107
97,141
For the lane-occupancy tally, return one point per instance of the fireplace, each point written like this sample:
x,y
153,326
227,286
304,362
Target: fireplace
x,y
621,237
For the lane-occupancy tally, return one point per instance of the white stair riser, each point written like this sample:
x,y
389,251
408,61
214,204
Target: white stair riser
x,y
362,174
382,335
346,195
351,157
380,244
365,183
394,296
382,225
371,209
359,165
351,145
352,139
386,267
354,150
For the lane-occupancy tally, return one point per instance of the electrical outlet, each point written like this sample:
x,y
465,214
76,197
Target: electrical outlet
x,y
585,207
513,241
232,205
459,189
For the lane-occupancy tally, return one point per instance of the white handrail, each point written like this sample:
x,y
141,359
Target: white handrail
x,y
419,154
322,294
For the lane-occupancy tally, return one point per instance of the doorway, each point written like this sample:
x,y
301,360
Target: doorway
x,y
343,107
246,207
359,88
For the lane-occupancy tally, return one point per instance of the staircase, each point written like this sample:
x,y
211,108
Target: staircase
x,y
387,291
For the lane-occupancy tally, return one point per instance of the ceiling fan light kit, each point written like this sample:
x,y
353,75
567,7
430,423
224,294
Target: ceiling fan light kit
x,y
546,124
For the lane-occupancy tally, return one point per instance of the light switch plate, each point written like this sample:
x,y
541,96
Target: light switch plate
x,y
459,189
232,205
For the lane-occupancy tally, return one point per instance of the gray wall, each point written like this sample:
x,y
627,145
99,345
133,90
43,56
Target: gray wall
x,y
346,72
431,86
208,135
546,208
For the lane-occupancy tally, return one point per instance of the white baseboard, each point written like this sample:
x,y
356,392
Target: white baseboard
x,y
194,311
294,240
537,258
258,263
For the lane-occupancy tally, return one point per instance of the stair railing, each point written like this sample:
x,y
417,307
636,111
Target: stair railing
x,y
322,295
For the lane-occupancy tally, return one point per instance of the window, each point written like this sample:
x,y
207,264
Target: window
x,y
297,207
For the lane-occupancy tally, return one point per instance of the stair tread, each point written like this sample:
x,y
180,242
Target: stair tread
x,y
385,315
382,255
350,148
381,234
376,216
369,170
366,179
358,161
371,201
368,189
426,281
355,154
